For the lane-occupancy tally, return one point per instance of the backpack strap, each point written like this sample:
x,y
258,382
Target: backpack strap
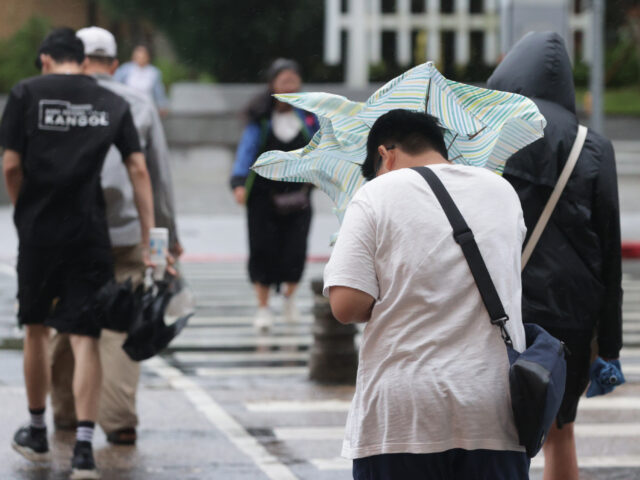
x,y
463,236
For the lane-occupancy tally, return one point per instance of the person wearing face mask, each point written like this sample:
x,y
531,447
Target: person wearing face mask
x,y
278,213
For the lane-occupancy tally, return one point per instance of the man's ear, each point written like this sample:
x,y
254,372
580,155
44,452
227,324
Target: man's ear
x,y
45,61
114,66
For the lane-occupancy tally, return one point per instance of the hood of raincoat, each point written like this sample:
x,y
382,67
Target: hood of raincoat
x,y
538,67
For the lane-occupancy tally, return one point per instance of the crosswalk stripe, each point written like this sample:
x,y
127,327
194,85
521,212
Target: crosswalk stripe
x,y
278,330
582,430
609,403
240,321
595,403
237,342
251,371
591,462
294,406
240,357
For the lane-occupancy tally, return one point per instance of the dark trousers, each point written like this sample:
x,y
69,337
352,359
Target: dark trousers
x,y
456,464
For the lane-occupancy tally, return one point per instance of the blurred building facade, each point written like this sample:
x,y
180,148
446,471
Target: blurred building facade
x,y
444,31
72,13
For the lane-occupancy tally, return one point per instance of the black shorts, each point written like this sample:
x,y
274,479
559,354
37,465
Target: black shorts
x,y
578,362
456,464
57,287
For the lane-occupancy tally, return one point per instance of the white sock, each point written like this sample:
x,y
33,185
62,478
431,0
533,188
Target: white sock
x,y
84,432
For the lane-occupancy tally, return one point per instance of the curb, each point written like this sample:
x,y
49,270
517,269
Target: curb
x,y
631,250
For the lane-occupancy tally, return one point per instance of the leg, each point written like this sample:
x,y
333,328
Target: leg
x,y
87,377
119,384
62,366
560,457
120,375
36,365
290,289
262,292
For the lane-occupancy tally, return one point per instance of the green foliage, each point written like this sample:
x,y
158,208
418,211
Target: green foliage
x,y
617,101
18,53
235,41
172,71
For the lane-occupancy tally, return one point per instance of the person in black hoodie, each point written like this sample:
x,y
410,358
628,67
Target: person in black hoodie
x,y
572,283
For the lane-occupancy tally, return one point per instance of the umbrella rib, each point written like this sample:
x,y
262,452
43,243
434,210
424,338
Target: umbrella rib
x,y
471,137
452,140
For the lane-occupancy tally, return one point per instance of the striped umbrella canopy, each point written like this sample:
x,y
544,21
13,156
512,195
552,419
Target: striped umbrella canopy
x,y
482,128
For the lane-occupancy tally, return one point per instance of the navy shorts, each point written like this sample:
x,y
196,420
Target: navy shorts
x,y
578,363
57,287
456,464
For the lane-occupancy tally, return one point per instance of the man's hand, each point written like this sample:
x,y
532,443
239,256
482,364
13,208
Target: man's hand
x,y
350,305
12,170
239,193
176,250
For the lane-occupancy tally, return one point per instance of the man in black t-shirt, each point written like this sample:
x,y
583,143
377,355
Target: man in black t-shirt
x,y
56,131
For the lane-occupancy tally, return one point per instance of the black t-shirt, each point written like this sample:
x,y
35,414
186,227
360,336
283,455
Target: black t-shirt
x,y
63,126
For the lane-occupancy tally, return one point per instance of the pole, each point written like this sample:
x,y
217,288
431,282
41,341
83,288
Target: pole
x,y
357,54
597,66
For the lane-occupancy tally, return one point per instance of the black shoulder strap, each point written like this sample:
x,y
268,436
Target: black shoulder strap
x,y
464,237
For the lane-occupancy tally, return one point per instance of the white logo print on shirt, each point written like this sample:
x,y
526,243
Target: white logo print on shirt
x,y
59,115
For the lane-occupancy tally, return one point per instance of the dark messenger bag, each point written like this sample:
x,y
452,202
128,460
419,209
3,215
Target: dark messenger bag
x,y
537,375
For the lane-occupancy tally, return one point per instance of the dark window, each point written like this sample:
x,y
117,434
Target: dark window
x,y
476,50
577,46
448,54
476,6
577,6
388,6
389,47
344,6
418,6
446,6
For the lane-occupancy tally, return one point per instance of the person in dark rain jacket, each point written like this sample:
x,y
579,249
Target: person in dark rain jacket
x,y
572,283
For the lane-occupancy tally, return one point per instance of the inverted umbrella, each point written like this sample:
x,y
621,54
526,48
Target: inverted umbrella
x,y
482,128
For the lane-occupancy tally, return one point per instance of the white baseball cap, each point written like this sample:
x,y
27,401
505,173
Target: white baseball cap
x,y
98,42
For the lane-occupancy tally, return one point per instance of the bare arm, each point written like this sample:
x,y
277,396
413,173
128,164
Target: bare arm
x,y
350,305
139,176
12,170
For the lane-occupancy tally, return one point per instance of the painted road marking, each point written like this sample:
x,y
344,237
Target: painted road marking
x,y
241,357
231,429
8,270
609,403
299,406
251,371
585,430
611,461
237,342
240,321
596,403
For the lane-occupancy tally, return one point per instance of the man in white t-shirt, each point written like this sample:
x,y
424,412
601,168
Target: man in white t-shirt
x,y
432,393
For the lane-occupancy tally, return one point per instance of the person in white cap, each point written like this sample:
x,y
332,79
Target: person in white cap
x,y
117,414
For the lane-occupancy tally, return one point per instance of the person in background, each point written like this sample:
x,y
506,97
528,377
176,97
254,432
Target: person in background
x,y
117,414
56,131
432,392
141,75
572,283
278,213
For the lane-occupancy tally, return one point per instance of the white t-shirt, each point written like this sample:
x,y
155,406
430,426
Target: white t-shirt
x,y
142,78
286,125
433,371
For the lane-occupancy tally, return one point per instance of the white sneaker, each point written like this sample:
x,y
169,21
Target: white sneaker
x,y
290,310
263,321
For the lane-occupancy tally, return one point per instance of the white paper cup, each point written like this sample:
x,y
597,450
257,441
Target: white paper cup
x,y
158,250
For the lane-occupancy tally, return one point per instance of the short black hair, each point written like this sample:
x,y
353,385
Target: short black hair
x,y
62,45
412,132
